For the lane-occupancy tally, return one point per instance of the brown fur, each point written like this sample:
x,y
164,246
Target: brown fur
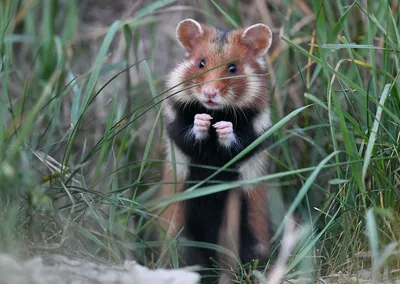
x,y
258,215
229,235
172,217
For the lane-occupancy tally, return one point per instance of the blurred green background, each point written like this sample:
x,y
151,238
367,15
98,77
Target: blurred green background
x,y
81,136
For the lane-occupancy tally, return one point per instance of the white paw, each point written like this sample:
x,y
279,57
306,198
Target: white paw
x,y
225,134
261,249
201,125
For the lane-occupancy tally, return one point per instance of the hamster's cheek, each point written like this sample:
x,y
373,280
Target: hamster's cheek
x,y
229,96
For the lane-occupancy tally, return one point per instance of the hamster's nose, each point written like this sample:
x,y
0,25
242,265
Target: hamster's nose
x,y
210,93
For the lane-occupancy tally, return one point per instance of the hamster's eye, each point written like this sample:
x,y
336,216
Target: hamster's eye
x,y
232,68
202,63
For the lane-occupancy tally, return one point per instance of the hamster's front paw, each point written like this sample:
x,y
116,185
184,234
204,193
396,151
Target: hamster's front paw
x,y
225,134
201,125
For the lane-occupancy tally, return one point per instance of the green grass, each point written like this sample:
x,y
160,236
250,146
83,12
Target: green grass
x,y
81,137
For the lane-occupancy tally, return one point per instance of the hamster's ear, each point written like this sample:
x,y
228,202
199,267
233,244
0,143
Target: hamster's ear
x,y
187,33
259,38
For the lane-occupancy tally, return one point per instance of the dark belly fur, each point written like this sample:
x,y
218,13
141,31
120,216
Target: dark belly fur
x,y
204,214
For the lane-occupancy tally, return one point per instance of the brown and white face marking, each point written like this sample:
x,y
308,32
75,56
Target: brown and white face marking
x,y
236,53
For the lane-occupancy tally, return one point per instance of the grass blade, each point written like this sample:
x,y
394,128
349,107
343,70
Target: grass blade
x,y
374,132
91,85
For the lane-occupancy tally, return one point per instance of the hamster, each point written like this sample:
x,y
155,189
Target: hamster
x,y
209,124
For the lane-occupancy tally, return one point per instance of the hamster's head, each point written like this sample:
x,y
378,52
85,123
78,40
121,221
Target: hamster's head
x,y
223,66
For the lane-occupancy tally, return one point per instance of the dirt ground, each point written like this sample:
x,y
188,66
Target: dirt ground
x,y
56,268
